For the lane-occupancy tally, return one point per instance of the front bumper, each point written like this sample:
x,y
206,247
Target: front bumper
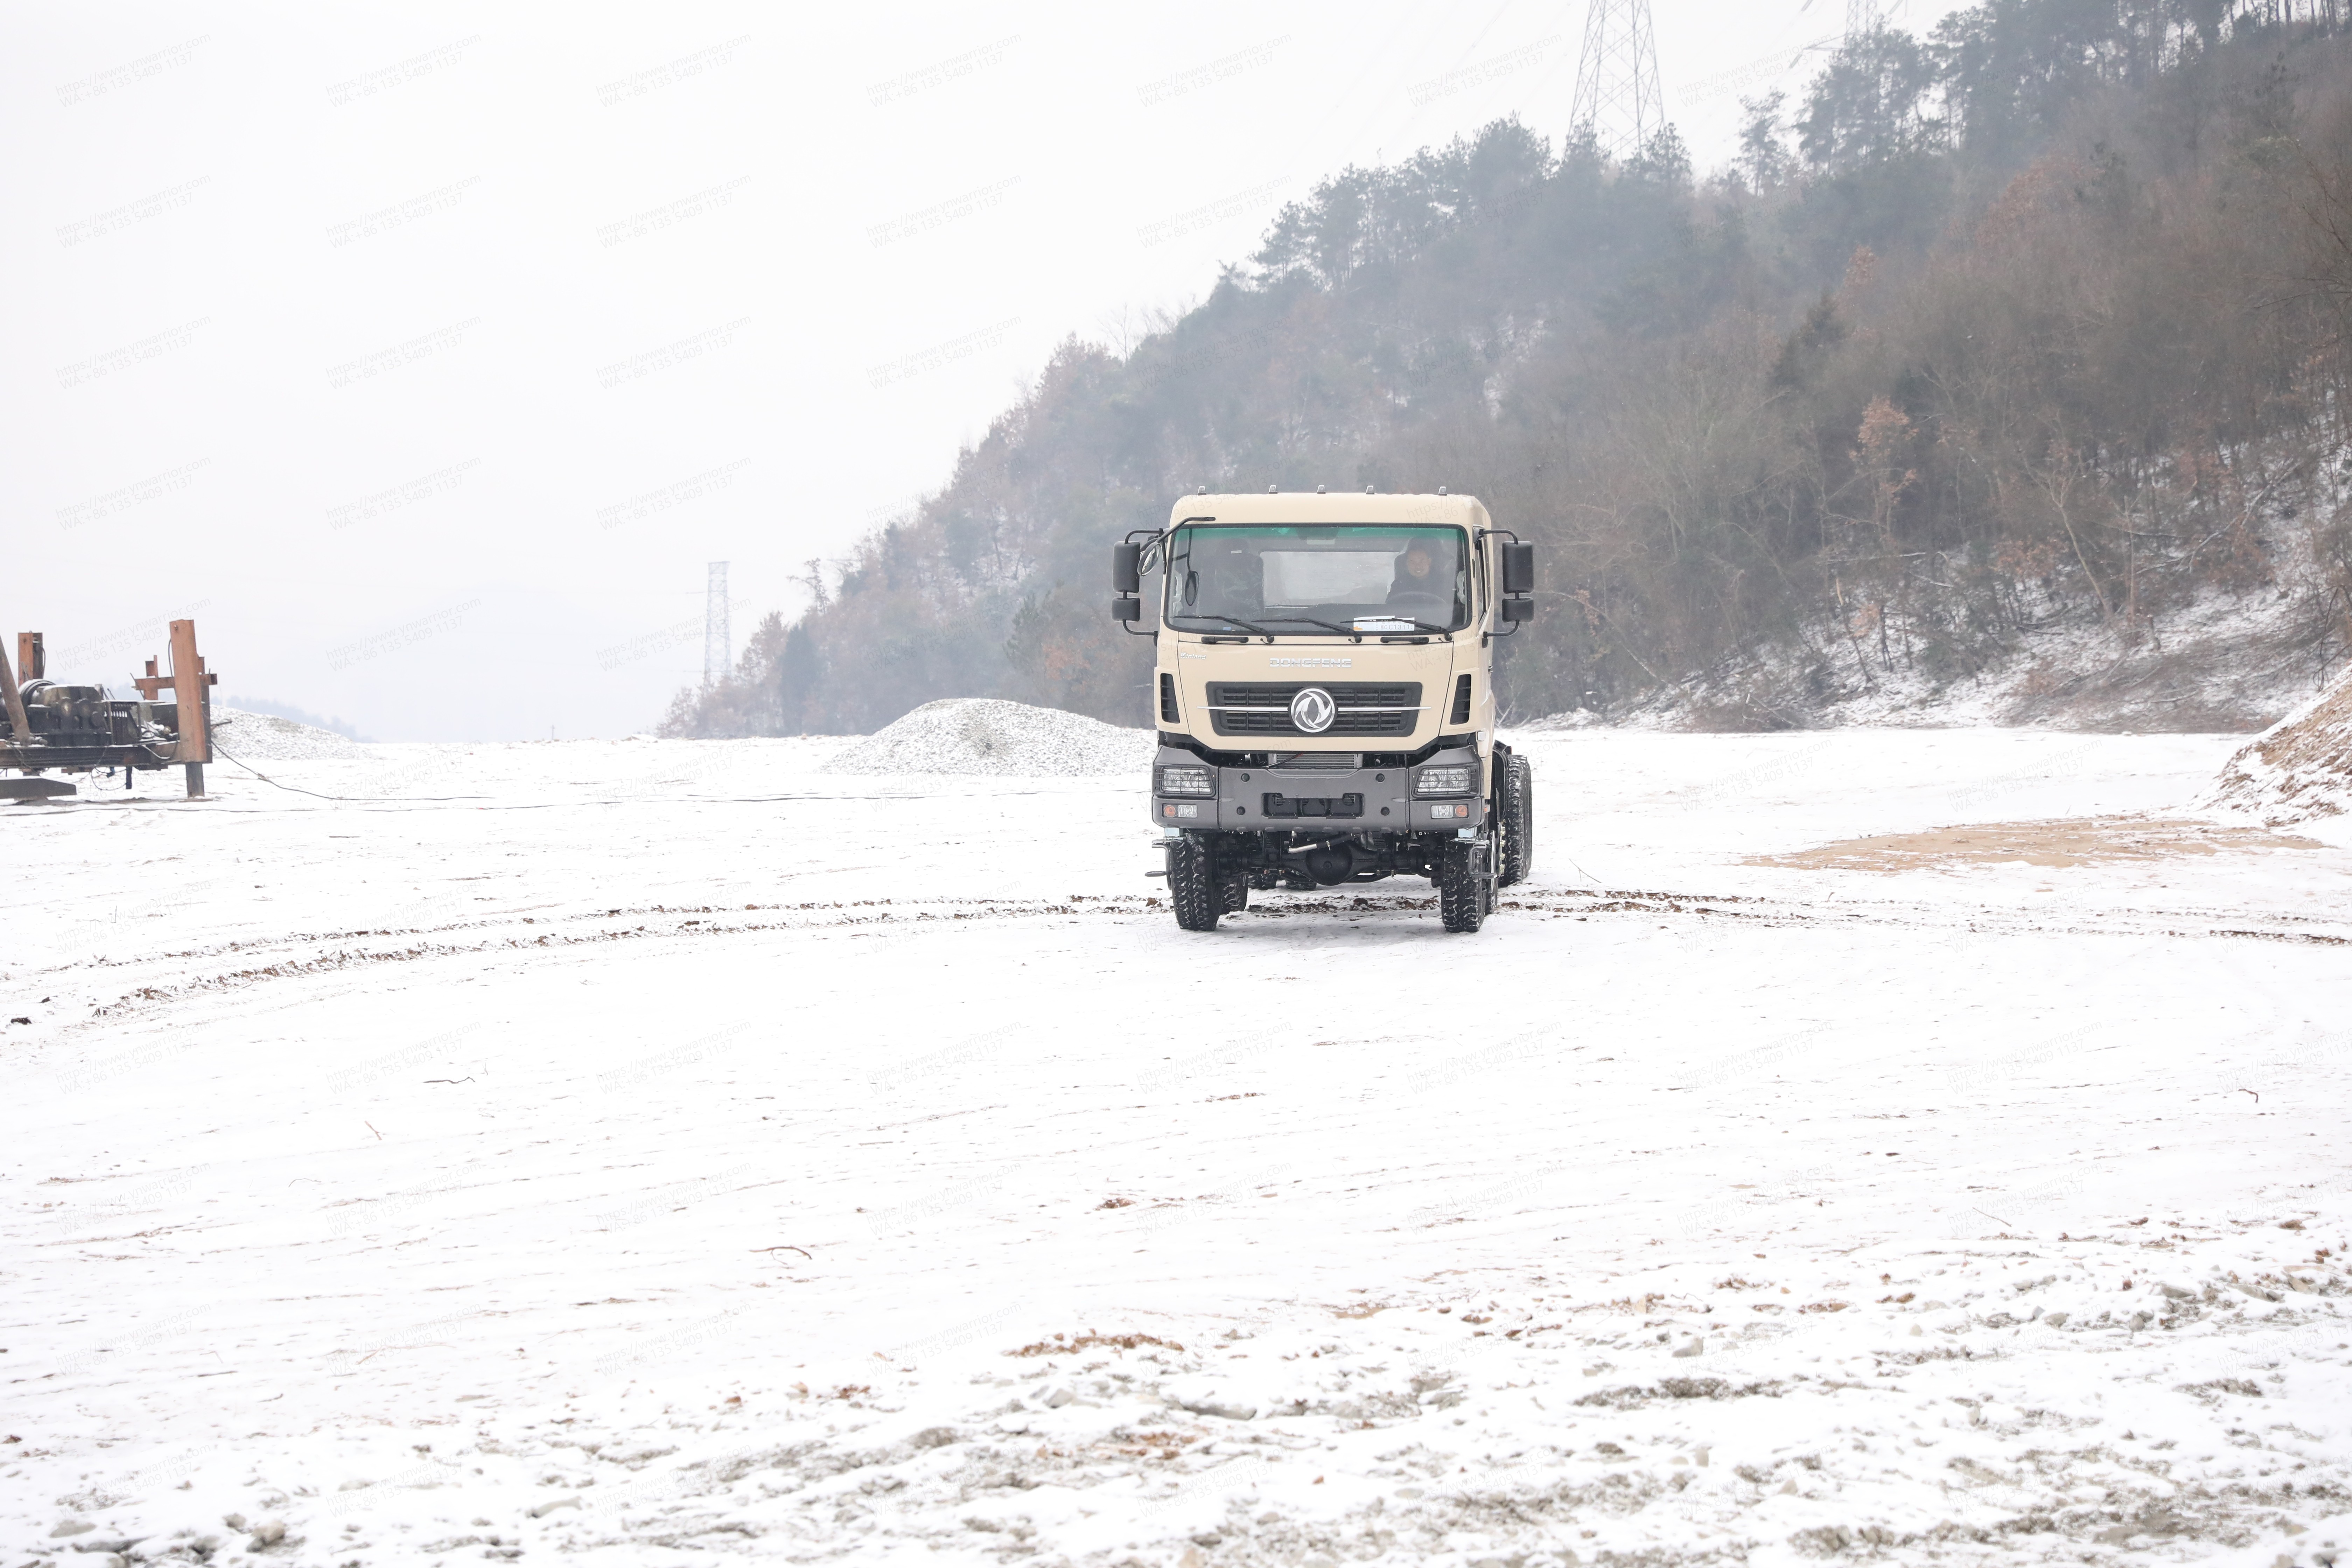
x,y
1316,800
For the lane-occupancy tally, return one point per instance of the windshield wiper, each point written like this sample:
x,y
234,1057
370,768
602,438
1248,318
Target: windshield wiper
x,y
1228,620
1311,621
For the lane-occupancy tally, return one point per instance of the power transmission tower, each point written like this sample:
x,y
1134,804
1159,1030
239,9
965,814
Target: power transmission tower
x,y
1864,18
1617,94
715,640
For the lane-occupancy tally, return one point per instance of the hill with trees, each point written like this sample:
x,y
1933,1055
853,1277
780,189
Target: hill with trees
x,y
2021,340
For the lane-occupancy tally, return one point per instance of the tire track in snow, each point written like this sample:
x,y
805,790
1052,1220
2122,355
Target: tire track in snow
x,y
914,914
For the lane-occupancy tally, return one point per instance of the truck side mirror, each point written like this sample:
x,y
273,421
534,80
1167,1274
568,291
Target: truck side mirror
x,y
1125,609
1126,569
1519,609
1518,570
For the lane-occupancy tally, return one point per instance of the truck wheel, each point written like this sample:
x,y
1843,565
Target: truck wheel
x,y
1192,884
1462,893
1515,817
1232,891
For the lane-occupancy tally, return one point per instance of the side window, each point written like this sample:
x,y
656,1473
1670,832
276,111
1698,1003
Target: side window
x,y
1183,585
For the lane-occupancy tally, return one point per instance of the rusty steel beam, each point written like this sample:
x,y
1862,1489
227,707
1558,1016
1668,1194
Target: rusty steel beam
x,y
188,683
194,747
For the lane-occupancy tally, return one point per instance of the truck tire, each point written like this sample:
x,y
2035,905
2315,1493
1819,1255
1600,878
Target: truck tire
x,y
1232,890
1515,820
1192,884
1463,895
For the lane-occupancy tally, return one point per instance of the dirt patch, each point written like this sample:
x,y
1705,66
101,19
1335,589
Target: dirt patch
x,y
2085,841
1633,1397
1058,1346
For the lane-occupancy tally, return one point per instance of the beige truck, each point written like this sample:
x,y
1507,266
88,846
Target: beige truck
x,y
1325,696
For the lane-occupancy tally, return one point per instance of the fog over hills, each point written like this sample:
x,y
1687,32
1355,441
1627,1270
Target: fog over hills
x,y
435,348
2004,364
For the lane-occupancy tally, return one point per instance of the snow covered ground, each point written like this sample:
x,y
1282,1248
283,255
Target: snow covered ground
x,y
649,1151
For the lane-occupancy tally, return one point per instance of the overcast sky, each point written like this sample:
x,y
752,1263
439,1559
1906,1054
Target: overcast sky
x,y
425,354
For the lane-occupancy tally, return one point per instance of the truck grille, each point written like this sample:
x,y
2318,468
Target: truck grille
x,y
1365,708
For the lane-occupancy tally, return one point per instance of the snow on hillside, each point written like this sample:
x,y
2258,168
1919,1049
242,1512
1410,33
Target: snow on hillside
x,y
2299,769
1918,1146
2223,662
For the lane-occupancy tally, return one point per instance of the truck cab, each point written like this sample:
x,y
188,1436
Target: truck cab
x,y
1324,696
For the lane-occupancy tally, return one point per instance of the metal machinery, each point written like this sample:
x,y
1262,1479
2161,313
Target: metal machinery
x,y
47,727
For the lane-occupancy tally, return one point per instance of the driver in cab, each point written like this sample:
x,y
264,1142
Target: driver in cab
x,y
1232,584
1416,575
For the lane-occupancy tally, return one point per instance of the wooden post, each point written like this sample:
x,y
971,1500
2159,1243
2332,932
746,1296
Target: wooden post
x,y
20,728
194,747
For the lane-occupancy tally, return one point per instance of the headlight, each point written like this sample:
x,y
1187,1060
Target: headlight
x,y
1186,780
1450,778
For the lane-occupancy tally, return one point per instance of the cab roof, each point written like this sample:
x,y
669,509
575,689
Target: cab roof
x,y
1303,506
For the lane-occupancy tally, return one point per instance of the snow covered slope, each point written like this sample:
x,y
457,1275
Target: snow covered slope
x,y
2220,661
2300,768
664,1151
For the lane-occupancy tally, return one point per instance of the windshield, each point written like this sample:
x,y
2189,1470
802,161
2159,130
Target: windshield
x,y
1350,578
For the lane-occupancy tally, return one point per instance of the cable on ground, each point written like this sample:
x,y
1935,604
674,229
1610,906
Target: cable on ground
x,y
351,799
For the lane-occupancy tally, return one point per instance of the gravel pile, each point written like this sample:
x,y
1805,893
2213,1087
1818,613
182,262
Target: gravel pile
x,y
264,738
983,735
2299,768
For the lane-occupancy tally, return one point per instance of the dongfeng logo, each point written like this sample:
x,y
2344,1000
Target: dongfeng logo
x,y
1312,710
